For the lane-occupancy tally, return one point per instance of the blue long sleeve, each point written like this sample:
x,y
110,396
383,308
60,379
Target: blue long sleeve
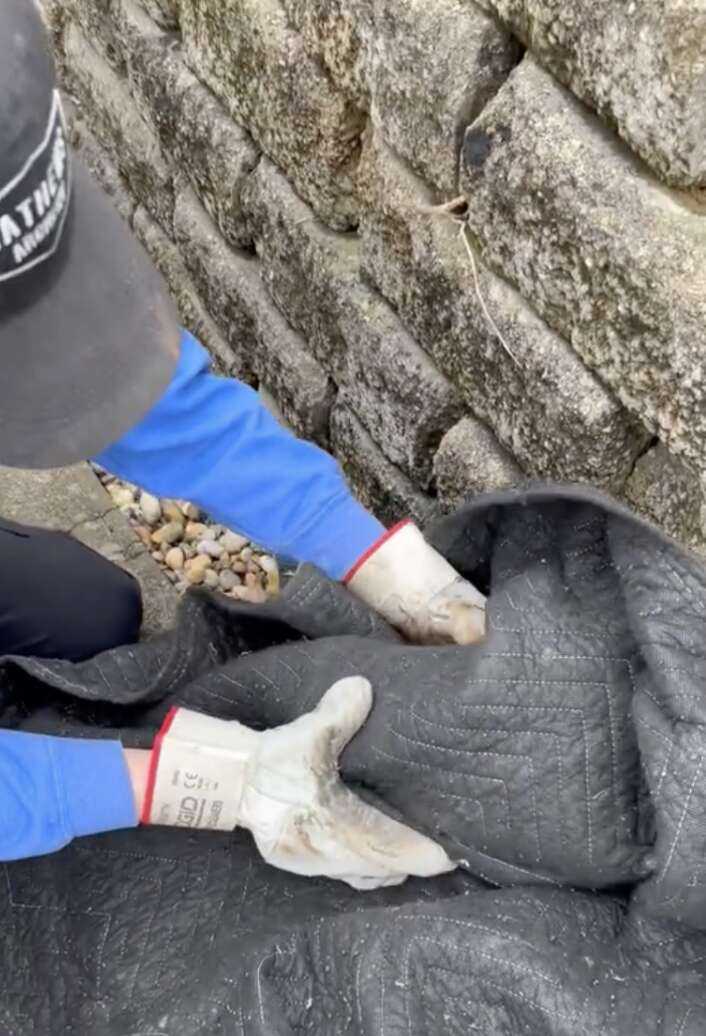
x,y
210,440
55,789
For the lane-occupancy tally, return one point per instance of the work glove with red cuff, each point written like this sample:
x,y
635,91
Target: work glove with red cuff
x,y
412,586
284,786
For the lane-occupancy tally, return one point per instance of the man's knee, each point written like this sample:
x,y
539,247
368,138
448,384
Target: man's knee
x,y
59,599
118,602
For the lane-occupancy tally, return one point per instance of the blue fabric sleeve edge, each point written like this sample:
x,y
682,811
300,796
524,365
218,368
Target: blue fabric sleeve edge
x,y
94,788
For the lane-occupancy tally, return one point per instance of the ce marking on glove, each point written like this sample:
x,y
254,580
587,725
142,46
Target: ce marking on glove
x,y
194,782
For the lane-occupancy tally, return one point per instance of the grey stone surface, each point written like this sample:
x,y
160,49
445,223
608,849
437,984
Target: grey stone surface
x,y
164,12
432,67
394,388
391,384
309,270
377,483
282,159
61,499
201,140
232,286
193,313
73,500
641,65
469,461
245,51
609,258
423,70
334,33
129,140
93,19
101,166
539,399
666,490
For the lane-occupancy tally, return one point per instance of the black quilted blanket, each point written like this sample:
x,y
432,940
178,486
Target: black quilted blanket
x,y
562,763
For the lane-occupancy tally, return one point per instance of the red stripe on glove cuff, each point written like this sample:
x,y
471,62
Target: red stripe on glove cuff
x,y
375,547
154,762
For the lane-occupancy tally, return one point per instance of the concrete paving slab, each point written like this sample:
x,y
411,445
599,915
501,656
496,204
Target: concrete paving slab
x,y
73,500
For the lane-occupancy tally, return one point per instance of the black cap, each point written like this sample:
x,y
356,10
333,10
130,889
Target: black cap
x,y
88,336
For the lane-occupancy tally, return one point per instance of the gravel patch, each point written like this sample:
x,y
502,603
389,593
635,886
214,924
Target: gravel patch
x,y
192,550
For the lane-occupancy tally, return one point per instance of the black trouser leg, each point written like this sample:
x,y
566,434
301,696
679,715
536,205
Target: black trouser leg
x,y
59,599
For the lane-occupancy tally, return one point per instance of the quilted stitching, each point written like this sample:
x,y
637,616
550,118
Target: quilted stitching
x,y
567,750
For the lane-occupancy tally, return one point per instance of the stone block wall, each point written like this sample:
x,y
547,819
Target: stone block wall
x,y
459,244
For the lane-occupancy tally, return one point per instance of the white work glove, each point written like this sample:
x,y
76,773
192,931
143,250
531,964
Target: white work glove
x,y
283,785
417,591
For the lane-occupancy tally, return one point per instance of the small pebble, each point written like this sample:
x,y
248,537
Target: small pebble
x,y
207,553
191,511
121,495
228,580
144,534
210,547
195,531
232,542
251,594
172,511
172,532
196,568
174,559
271,569
202,561
151,508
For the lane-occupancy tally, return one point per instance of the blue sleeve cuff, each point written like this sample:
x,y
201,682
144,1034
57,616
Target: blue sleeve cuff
x,y
210,440
94,783
340,538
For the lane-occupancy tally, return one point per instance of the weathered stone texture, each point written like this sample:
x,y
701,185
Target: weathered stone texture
x,y
640,65
213,152
164,12
431,68
610,259
335,32
192,309
391,384
377,483
257,332
132,143
423,70
83,140
193,129
310,272
394,388
541,402
664,489
470,461
246,53
285,161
